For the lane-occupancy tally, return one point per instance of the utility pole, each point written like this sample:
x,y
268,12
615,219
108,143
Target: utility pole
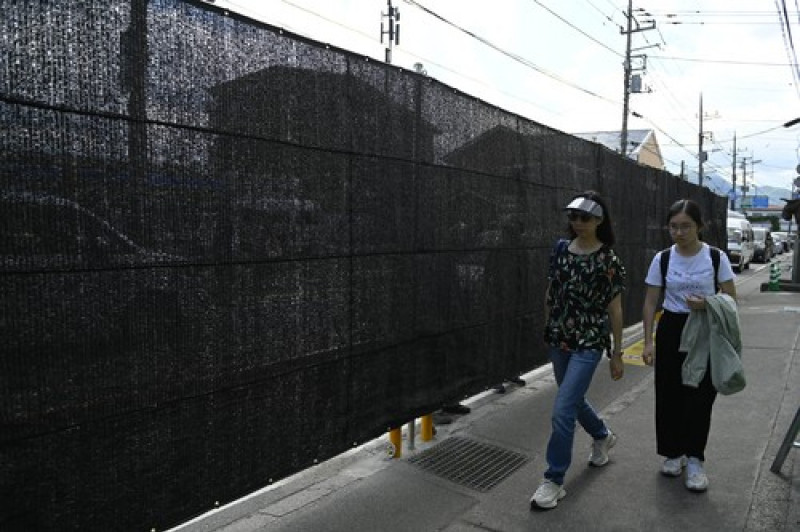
x,y
702,156
733,173
700,153
751,159
744,182
623,137
393,31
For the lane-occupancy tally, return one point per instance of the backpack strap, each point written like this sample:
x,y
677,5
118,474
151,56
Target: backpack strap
x,y
715,261
715,258
664,265
559,248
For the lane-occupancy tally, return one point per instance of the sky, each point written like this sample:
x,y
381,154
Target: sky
x,y
560,63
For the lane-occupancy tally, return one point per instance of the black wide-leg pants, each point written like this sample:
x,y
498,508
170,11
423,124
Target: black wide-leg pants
x,y
683,413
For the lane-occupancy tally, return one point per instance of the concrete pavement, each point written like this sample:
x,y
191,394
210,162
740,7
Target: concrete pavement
x,y
366,490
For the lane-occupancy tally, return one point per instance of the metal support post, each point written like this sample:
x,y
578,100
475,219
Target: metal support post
x,y
796,261
426,423
396,439
791,434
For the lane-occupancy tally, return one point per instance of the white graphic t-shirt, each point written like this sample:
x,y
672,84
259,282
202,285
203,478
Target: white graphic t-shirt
x,y
688,276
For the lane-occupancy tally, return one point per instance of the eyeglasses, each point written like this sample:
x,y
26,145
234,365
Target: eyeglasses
x,y
682,228
574,217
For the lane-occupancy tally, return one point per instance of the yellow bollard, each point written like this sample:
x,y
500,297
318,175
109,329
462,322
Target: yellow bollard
x,y
426,427
396,439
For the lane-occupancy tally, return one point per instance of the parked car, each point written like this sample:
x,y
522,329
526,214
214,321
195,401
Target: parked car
x,y
782,237
762,240
740,241
777,243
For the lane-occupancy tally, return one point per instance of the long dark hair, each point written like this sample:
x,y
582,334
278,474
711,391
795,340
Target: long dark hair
x,y
691,209
605,232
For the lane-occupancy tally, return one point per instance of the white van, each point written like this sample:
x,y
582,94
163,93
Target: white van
x,y
740,241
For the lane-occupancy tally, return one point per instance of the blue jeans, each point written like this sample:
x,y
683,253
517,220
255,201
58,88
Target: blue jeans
x,y
573,371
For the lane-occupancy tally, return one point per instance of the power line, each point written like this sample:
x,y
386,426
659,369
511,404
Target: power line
x,y
672,100
671,59
240,8
709,13
608,18
460,74
511,55
722,61
723,23
663,132
786,32
571,25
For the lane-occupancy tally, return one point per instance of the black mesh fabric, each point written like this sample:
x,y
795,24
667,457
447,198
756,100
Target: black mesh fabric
x,y
229,252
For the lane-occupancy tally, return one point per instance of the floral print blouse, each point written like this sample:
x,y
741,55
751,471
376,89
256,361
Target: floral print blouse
x,y
581,288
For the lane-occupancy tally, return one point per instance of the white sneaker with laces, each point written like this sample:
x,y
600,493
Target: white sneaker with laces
x,y
599,456
673,467
696,479
547,495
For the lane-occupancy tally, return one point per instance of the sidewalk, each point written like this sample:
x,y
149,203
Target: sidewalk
x,y
365,490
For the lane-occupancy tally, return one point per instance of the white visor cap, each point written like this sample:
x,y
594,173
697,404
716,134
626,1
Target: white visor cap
x,y
585,205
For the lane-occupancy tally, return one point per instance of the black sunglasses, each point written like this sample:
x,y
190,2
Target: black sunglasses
x,y
574,217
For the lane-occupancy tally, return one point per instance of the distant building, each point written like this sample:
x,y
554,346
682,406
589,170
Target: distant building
x,y
642,145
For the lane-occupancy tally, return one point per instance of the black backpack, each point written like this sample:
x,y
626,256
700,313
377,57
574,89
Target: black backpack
x,y
665,265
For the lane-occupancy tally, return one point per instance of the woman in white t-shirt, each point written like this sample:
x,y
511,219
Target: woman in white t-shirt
x,y
683,413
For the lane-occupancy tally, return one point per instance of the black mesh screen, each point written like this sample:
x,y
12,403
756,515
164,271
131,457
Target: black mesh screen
x,y
228,252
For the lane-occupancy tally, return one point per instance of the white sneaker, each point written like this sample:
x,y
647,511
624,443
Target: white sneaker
x,y
547,495
696,479
673,467
599,456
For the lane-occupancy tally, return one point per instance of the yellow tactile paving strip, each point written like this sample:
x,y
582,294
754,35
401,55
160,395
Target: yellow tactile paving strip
x,y
633,354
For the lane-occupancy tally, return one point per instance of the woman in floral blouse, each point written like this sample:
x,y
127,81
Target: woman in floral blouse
x,y
586,281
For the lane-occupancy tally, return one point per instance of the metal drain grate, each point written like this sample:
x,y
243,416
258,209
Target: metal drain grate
x,y
476,465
